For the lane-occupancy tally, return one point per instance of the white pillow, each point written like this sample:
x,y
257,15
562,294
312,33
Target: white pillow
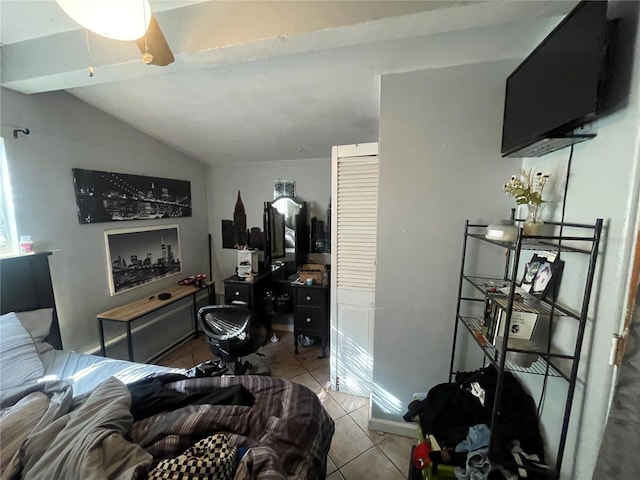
x,y
37,322
19,360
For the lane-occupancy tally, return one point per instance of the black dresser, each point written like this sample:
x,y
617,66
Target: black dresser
x,y
311,313
237,290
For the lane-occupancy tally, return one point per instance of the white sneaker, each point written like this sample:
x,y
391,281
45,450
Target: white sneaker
x,y
274,338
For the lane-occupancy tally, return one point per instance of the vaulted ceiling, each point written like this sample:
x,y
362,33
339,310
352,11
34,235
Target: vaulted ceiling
x,y
262,80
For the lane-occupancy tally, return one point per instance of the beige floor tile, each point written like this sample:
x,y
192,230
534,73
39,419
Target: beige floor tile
x,y
332,407
285,366
348,442
361,417
398,450
335,476
278,354
179,358
323,377
308,381
203,356
311,357
313,362
349,402
201,339
331,467
188,354
179,363
371,465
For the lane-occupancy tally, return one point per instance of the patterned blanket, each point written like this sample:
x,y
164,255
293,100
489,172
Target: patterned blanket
x,y
287,433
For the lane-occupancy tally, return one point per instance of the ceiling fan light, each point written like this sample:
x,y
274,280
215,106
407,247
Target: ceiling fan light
x,y
116,19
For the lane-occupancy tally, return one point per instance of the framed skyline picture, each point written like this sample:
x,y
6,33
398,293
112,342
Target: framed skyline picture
x,y
138,256
112,197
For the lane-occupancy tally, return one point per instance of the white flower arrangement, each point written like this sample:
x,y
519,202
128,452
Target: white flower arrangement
x,y
527,187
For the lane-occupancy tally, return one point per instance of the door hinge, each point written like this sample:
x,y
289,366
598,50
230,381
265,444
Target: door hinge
x,y
618,346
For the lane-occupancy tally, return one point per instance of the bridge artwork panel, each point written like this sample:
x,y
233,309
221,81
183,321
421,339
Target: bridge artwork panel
x,y
111,197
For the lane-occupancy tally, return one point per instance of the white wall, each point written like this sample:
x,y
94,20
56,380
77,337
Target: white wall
x,y
66,134
255,180
439,140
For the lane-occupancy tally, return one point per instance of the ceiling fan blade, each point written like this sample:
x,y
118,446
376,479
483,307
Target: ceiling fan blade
x,y
156,45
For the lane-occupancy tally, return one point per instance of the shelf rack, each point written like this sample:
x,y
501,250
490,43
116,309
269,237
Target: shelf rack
x,y
580,239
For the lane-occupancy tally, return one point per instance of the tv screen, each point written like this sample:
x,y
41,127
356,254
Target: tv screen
x,y
556,88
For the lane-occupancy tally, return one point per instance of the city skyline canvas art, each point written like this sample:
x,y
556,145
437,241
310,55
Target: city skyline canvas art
x,y
138,256
111,197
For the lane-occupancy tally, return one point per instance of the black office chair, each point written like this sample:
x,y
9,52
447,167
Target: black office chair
x,y
230,334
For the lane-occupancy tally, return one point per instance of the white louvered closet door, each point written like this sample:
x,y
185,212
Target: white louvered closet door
x,y
353,239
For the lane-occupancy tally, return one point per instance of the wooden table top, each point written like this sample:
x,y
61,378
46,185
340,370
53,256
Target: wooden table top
x,y
138,308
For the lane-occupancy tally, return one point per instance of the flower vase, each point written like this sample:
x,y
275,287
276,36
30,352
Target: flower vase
x,y
532,224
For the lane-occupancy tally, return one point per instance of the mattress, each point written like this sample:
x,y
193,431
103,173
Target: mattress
x,y
85,372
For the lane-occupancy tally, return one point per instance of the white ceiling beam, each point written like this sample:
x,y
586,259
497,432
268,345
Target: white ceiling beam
x,y
212,34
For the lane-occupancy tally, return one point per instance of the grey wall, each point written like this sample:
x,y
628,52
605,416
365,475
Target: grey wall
x,y
255,180
439,141
604,182
439,165
66,134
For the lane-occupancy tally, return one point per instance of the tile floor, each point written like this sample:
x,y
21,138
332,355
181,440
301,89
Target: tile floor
x,y
356,452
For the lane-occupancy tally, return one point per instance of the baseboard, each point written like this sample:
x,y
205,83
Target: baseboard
x,y
404,429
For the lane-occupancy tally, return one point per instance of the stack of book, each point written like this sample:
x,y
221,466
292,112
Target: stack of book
x,y
521,331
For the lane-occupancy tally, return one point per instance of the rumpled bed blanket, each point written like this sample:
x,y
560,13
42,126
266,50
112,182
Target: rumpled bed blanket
x,y
286,433
87,442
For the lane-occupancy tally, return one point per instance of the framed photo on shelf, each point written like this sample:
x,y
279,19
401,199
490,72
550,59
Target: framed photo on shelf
x,y
542,275
530,271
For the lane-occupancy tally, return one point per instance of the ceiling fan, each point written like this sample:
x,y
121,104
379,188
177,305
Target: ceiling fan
x,y
123,20
154,44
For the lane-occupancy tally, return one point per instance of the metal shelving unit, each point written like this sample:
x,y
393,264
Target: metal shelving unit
x,y
582,239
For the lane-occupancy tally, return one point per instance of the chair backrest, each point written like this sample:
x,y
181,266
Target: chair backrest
x,y
223,322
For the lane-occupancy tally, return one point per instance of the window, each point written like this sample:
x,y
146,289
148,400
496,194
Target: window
x,y
8,236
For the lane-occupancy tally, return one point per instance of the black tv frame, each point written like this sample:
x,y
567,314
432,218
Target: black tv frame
x,y
561,136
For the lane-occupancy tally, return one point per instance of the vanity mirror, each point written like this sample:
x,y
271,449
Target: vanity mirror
x,y
296,233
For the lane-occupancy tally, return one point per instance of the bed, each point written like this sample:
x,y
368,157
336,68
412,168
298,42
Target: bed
x,y
70,415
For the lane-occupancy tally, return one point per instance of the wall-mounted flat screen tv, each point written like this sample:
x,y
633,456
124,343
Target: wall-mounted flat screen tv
x,y
557,87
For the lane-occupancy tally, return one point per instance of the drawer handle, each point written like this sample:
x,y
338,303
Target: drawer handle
x,y
308,320
237,293
308,298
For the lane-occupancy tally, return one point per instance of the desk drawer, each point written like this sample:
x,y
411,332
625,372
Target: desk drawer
x,y
311,296
237,292
314,319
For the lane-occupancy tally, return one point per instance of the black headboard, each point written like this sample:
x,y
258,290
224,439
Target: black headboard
x,y
25,284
